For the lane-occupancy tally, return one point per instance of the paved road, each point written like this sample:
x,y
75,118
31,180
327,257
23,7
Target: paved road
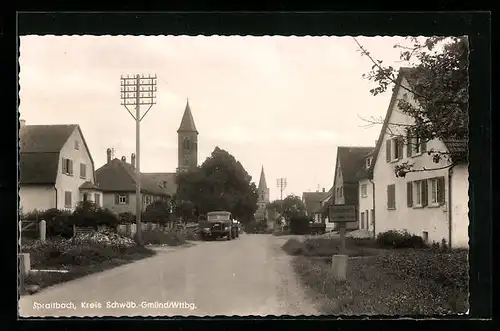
x,y
247,276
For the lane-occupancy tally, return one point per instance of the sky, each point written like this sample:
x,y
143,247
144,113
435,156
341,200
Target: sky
x,y
284,103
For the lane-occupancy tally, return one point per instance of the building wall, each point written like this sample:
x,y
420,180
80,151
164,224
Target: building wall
x,y
460,208
36,197
187,158
91,196
72,183
433,220
365,205
109,202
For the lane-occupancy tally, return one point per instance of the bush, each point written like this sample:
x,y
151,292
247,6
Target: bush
x,y
399,239
294,247
89,214
58,223
299,225
159,237
126,218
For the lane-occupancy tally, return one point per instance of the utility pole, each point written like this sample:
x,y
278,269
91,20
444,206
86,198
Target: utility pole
x,y
137,91
281,184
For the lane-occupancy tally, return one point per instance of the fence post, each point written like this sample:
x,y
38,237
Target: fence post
x,y
74,230
20,232
43,230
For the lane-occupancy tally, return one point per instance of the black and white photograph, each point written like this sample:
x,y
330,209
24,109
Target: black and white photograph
x,y
176,175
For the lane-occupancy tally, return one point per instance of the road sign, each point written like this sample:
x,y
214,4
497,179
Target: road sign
x,y
342,213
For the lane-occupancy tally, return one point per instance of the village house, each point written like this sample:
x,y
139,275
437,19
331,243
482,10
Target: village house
x,y
56,168
312,202
366,199
325,204
117,180
350,160
432,204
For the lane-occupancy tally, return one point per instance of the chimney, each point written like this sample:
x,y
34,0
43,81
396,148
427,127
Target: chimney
x,y
132,160
22,123
323,189
108,152
124,159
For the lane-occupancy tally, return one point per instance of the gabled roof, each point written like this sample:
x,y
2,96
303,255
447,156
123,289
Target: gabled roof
x,y
160,178
119,176
187,122
352,160
312,201
40,146
457,148
262,180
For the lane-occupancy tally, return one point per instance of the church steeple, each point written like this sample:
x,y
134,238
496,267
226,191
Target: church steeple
x,y
187,122
262,181
187,137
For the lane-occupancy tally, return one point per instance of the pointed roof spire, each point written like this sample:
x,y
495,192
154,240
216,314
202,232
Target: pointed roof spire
x,y
187,122
262,181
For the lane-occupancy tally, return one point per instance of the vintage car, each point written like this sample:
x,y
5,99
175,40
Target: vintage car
x,y
219,224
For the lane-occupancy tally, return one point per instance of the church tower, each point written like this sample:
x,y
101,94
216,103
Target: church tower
x,y
263,191
187,142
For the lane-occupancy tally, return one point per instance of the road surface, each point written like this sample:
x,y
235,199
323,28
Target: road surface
x,y
247,276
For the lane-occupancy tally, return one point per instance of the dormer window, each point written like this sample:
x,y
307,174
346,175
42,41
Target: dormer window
x,y
368,162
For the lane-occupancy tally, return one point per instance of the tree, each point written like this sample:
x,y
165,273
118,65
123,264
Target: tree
x,y
220,183
293,207
439,87
157,212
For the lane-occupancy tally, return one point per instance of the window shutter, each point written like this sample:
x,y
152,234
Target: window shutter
x,y
126,199
399,142
409,194
393,189
425,195
423,146
117,199
64,166
70,165
388,150
409,145
440,190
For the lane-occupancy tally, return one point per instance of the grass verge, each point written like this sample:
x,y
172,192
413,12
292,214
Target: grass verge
x,y
384,282
78,258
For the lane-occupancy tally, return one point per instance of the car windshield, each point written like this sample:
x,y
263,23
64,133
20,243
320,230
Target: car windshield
x,y
218,217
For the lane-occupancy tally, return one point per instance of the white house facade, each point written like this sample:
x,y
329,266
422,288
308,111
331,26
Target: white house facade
x,y
55,163
366,200
432,204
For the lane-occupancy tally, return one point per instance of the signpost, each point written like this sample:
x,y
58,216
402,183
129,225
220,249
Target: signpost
x,y
341,214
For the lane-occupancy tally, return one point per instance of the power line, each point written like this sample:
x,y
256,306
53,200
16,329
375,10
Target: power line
x,y
138,90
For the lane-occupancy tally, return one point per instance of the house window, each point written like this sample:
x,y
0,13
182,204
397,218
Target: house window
x,y
83,170
97,198
417,188
77,144
121,199
391,196
368,162
67,166
67,199
393,149
437,191
364,194
362,217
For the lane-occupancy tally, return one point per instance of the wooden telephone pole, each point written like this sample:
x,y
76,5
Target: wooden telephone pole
x,y
137,91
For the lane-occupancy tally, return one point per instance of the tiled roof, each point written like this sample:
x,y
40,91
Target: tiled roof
x,y
352,160
312,201
119,176
44,138
187,122
163,177
458,148
40,146
89,185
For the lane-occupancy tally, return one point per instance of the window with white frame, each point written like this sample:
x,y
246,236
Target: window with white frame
x,y
364,193
417,189
67,166
394,149
121,199
97,199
